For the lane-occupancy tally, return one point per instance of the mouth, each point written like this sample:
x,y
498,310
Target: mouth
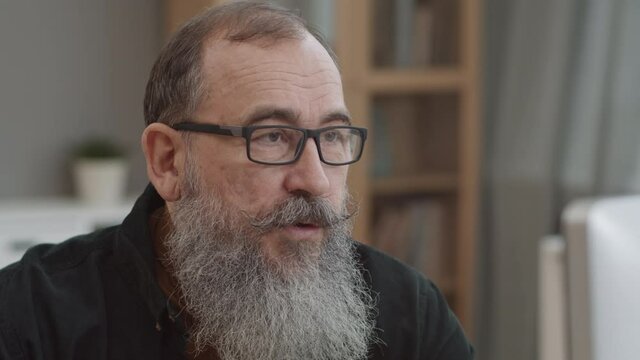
x,y
302,230
302,225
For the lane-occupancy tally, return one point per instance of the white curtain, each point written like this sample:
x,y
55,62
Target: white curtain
x,y
562,115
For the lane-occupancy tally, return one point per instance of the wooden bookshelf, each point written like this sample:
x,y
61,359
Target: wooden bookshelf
x,y
442,163
403,81
415,184
366,83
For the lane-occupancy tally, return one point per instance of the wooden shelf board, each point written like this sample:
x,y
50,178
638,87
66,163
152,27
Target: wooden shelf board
x,y
399,185
412,80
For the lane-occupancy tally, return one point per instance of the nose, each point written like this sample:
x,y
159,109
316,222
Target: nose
x,y
308,175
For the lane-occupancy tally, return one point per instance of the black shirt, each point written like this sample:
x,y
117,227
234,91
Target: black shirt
x,y
95,297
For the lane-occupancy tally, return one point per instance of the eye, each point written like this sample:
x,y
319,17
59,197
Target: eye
x,y
273,136
331,136
270,137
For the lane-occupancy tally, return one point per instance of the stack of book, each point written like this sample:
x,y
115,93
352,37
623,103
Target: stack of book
x,y
413,33
412,135
414,232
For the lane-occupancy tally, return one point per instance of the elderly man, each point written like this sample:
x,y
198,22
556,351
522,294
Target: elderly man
x,y
240,246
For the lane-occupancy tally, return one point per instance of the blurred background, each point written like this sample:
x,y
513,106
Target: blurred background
x,y
487,119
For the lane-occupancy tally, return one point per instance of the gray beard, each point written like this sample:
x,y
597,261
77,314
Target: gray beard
x,y
311,303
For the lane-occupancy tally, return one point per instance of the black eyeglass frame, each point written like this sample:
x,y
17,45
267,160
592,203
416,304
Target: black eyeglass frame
x,y
246,131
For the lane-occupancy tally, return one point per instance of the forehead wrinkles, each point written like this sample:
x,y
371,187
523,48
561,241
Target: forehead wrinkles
x,y
297,62
257,83
276,73
282,80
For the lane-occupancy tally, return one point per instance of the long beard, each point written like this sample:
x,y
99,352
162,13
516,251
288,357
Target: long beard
x,y
311,303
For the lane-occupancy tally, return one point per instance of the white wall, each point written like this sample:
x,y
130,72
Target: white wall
x,y
68,69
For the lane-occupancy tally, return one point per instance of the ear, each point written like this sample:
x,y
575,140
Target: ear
x,y
164,151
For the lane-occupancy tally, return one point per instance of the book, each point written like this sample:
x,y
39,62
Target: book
x,y
435,254
390,231
444,31
422,35
383,36
414,232
403,31
401,113
382,156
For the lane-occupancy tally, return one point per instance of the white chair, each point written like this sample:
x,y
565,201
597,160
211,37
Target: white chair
x,y
595,315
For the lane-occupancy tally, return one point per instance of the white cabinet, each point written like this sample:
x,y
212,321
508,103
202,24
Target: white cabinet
x,y
24,223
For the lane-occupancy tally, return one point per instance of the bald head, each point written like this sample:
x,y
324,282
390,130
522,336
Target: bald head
x,y
176,84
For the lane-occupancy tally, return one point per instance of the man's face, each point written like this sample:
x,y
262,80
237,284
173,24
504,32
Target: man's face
x,y
262,253
291,82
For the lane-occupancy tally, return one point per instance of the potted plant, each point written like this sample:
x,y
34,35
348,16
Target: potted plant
x,y
100,171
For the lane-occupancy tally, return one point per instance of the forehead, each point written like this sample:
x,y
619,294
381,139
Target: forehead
x,y
298,75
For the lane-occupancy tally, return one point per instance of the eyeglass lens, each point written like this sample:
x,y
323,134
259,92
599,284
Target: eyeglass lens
x,y
279,145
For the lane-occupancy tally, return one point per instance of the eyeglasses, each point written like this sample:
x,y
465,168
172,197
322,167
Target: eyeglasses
x,y
281,145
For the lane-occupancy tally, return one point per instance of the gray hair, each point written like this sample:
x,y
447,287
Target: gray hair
x,y
176,87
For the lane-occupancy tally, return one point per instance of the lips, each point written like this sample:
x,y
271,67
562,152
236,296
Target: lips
x,y
306,225
302,230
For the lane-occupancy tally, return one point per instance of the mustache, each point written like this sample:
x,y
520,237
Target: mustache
x,y
315,211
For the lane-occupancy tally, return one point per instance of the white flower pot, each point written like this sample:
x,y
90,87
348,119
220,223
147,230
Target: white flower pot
x,y
100,181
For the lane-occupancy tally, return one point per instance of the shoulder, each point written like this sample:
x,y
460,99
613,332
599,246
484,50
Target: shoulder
x,y
49,268
389,274
413,315
50,260
55,282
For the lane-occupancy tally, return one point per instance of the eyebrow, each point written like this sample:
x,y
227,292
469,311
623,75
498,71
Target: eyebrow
x,y
344,116
290,116
265,113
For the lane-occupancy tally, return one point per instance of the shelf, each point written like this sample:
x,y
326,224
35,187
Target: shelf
x,y
424,116
414,80
399,185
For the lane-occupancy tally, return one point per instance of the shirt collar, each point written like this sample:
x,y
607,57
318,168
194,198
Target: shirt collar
x,y
135,255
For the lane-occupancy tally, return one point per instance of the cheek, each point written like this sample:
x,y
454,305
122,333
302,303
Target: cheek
x,y
251,189
231,175
254,188
338,179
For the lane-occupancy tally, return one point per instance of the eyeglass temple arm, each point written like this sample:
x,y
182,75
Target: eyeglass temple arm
x,y
210,128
